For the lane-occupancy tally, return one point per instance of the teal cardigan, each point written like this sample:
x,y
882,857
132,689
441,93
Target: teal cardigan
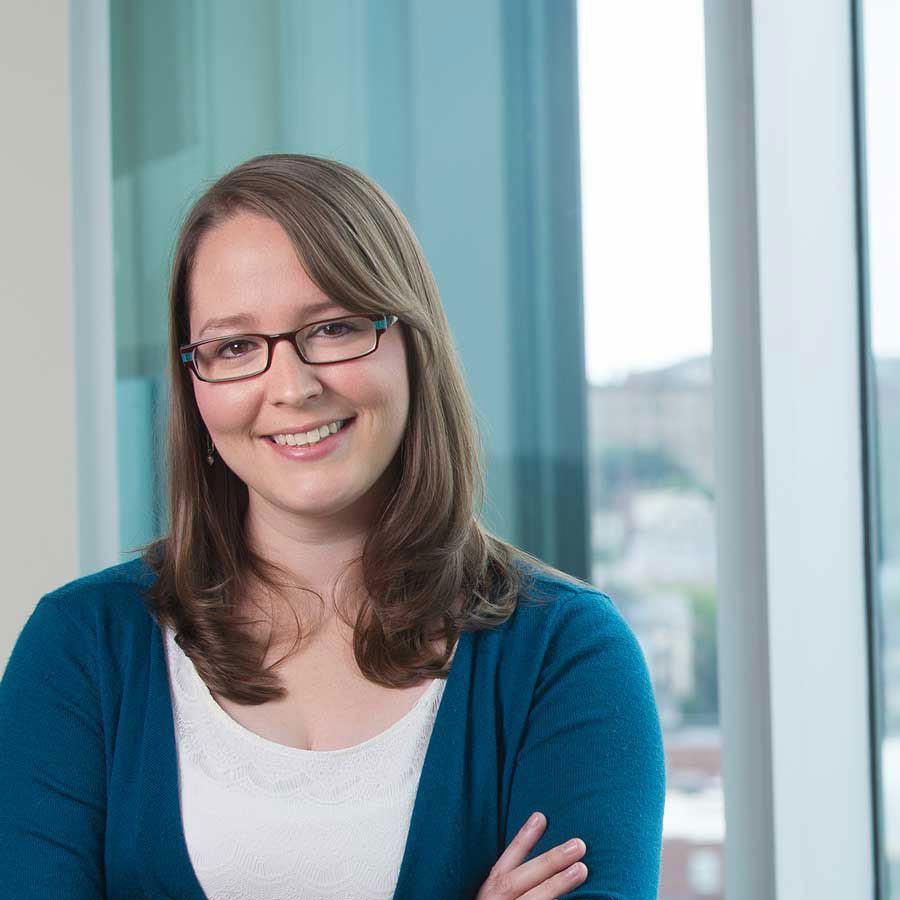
x,y
552,710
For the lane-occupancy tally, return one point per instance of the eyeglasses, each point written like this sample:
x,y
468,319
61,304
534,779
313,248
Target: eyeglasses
x,y
318,343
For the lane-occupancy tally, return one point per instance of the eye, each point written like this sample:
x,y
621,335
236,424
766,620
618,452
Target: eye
x,y
236,342
334,329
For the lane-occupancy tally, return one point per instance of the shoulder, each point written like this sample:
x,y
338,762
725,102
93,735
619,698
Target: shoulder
x,y
88,629
580,636
131,575
99,599
562,604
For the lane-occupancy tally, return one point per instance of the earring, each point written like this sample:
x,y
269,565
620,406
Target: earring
x,y
210,449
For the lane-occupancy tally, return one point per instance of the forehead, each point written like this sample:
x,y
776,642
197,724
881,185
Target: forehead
x,y
246,272
244,249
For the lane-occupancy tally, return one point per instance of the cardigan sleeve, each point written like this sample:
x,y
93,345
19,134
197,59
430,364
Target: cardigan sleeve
x,y
591,757
52,781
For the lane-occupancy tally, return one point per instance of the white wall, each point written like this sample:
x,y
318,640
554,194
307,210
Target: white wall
x,y
38,535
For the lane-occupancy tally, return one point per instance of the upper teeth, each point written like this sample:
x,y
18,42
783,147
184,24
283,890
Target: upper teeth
x,y
308,437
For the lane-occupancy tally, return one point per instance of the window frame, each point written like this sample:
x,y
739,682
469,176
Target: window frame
x,y
94,313
793,625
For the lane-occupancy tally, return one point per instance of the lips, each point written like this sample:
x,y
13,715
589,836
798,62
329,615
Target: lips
x,y
313,450
346,421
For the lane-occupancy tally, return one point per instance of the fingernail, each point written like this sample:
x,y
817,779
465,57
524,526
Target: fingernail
x,y
534,821
575,870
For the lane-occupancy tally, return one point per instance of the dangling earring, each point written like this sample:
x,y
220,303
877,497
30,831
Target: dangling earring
x,y
210,449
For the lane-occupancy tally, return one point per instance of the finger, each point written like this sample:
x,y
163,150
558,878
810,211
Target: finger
x,y
537,871
559,884
520,846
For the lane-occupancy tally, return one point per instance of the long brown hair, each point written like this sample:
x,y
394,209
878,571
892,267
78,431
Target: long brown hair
x,y
430,570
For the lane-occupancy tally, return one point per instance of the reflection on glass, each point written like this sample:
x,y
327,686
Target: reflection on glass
x,y
647,308
881,63
198,86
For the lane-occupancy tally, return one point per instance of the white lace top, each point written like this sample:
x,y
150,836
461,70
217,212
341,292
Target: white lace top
x,y
263,821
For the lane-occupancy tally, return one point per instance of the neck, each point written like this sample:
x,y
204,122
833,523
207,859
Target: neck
x,y
321,556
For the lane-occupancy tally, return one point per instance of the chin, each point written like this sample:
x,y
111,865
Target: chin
x,y
320,507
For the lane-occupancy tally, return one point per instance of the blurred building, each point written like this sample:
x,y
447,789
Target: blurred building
x,y
669,407
694,823
653,517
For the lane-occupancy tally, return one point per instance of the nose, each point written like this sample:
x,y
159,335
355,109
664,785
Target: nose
x,y
289,379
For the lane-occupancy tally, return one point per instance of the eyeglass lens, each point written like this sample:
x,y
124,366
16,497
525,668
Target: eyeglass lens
x,y
240,356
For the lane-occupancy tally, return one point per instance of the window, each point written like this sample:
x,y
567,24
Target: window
x,y
648,342
479,149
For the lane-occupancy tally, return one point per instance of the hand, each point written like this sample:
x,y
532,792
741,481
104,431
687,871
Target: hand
x,y
545,877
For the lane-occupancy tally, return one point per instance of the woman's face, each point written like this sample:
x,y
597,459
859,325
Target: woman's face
x,y
249,266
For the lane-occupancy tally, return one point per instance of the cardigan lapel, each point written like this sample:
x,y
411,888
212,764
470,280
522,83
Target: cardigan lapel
x,y
167,871
448,813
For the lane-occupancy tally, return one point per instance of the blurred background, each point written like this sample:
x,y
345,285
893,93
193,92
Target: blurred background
x,y
551,156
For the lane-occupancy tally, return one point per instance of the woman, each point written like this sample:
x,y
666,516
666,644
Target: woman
x,y
327,679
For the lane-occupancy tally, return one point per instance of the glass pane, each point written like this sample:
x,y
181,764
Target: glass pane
x,y
198,87
236,357
342,339
881,64
648,314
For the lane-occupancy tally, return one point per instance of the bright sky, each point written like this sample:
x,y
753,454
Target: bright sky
x,y
644,182
882,78
644,191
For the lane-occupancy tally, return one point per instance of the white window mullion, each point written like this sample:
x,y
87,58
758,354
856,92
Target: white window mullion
x,y
792,626
94,338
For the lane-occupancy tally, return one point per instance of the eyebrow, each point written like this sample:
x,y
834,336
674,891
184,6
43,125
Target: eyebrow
x,y
242,320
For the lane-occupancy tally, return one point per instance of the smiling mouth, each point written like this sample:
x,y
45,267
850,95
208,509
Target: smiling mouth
x,y
310,438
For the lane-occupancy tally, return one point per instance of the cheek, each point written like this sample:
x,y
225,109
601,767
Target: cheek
x,y
403,402
398,405
390,395
395,384
224,410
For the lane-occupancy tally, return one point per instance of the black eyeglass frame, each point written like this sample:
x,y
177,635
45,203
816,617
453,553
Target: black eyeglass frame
x,y
188,358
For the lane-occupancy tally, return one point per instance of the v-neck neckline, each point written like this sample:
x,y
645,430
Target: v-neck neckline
x,y
269,747
171,871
